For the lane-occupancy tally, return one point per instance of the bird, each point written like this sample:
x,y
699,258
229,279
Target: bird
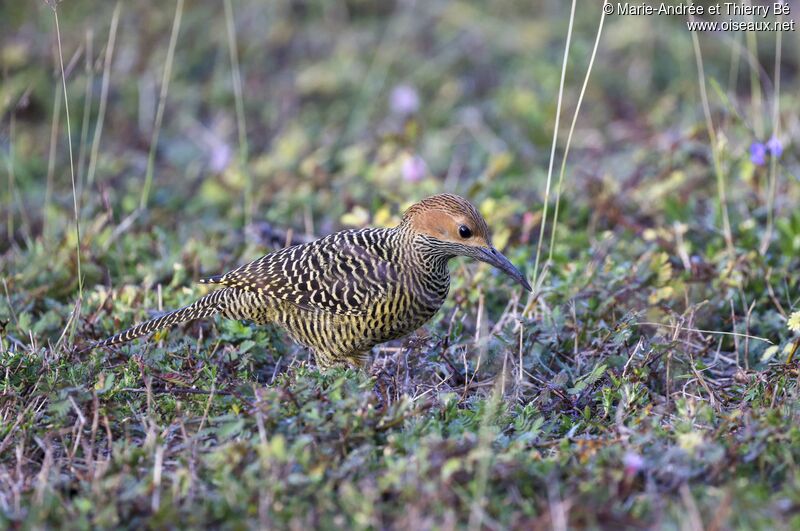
x,y
344,293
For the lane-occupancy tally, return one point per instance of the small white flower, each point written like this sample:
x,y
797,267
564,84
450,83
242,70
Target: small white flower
x,y
794,322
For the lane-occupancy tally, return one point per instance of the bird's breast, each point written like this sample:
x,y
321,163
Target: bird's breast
x,y
424,291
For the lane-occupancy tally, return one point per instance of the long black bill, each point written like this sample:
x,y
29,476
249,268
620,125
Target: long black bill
x,y
492,256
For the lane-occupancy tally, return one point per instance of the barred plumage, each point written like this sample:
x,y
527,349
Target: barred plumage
x,y
344,293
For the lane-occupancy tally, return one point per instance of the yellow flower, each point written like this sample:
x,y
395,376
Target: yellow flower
x,y
794,322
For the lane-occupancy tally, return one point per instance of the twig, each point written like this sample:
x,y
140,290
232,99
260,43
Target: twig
x,y
701,331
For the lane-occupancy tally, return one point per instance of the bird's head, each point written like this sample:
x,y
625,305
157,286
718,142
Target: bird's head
x,y
454,227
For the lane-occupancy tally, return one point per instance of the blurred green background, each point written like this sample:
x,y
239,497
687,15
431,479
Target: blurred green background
x,y
620,395
475,86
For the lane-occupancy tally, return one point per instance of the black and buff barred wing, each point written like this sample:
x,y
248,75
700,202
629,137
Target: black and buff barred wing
x,y
341,273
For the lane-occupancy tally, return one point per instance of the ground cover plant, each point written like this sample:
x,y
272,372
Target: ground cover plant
x,y
646,382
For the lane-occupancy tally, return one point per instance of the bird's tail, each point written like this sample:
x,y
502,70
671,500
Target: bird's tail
x,y
206,306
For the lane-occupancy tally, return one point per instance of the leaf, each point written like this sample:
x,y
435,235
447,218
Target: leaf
x,y
588,379
769,353
246,346
231,429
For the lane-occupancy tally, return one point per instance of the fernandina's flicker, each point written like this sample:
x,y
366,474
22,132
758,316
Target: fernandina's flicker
x,y
344,293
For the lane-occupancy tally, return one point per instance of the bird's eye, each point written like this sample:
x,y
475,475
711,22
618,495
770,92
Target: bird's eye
x,y
464,231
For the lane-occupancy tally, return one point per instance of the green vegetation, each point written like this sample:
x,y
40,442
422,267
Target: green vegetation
x,y
644,384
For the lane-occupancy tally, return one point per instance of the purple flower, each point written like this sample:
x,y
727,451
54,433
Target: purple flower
x,y
758,153
414,169
775,147
633,463
404,100
220,156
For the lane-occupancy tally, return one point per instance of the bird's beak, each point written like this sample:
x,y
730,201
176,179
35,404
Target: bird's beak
x,y
492,256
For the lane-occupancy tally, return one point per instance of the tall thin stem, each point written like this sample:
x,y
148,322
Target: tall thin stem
x,y
71,163
236,78
553,145
572,130
87,108
101,113
51,163
162,101
773,161
715,154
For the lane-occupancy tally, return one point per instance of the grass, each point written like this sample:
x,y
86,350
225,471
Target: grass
x,y
76,209
645,385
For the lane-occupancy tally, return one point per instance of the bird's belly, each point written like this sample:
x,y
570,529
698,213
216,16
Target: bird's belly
x,y
339,337
395,317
